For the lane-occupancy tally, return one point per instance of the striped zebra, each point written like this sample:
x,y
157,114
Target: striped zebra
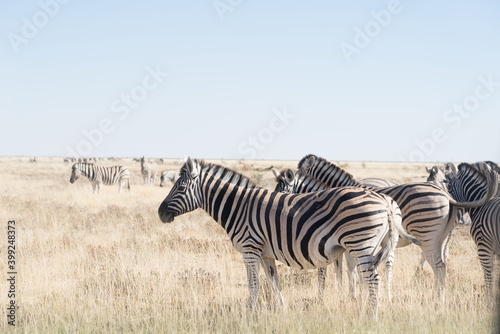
x,y
469,183
303,231
437,176
148,172
428,211
168,175
376,182
99,175
496,168
301,183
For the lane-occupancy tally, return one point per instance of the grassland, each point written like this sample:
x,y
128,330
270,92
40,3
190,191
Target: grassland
x,y
98,264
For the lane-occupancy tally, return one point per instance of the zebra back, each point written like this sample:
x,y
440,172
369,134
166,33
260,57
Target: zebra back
x,y
297,182
376,182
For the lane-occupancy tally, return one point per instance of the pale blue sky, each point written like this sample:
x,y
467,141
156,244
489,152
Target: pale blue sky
x,y
68,67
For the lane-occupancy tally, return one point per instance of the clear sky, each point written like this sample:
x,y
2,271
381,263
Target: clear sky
x,y
346,80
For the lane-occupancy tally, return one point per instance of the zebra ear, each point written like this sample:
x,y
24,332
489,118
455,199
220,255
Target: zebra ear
x,y
191,167
309,163
450,166
435,169
276,174
289,176
427,169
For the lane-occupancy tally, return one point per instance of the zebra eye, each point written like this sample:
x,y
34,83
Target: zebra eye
x,y
182,188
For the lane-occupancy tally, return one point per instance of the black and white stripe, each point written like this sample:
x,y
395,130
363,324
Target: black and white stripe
x,y
303,231
437,176
470,183
99,175
301,183
429,212
148,172
376,182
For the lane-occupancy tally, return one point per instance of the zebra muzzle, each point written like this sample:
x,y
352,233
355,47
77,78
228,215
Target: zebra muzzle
x,y
165,215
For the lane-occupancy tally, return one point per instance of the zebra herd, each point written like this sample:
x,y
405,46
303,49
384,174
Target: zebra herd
x,y
320,212
109,175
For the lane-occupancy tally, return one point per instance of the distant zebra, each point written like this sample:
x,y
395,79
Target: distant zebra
x,y
301,183
469,184
168,175
99,175
148,171
304,231
428,211
376,182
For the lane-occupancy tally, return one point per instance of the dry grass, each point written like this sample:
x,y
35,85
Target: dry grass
x,y
107,264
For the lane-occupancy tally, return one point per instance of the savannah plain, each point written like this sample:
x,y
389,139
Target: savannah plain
x,y
106,264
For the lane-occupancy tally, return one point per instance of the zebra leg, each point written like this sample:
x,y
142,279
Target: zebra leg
x,y
252,262
337,268
439,268
321,283
446,246
388,266
351,274
372,279
269,266
421,264
486,258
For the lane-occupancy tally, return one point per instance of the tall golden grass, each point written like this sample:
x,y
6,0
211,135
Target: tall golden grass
x,y
97,264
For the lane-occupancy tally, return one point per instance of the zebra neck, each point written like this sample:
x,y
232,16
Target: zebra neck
x,y
88,171
221,199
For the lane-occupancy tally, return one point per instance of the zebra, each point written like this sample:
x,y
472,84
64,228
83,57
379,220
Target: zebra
x,y
148,171
469,184
99,175
437,176
496,168
304,231
168,175
429,212
301,183
376,182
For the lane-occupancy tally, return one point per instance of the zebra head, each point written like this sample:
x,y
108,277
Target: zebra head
x,y
470,182
75,173
435,174
286,181
185,195
307,163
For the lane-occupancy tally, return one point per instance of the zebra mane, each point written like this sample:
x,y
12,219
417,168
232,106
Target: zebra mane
x,y
310,180
493,166
331,167
466,168
221,172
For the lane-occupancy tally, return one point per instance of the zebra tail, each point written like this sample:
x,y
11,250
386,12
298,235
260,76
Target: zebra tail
x,y
381,255
396,224
394,219
128,184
